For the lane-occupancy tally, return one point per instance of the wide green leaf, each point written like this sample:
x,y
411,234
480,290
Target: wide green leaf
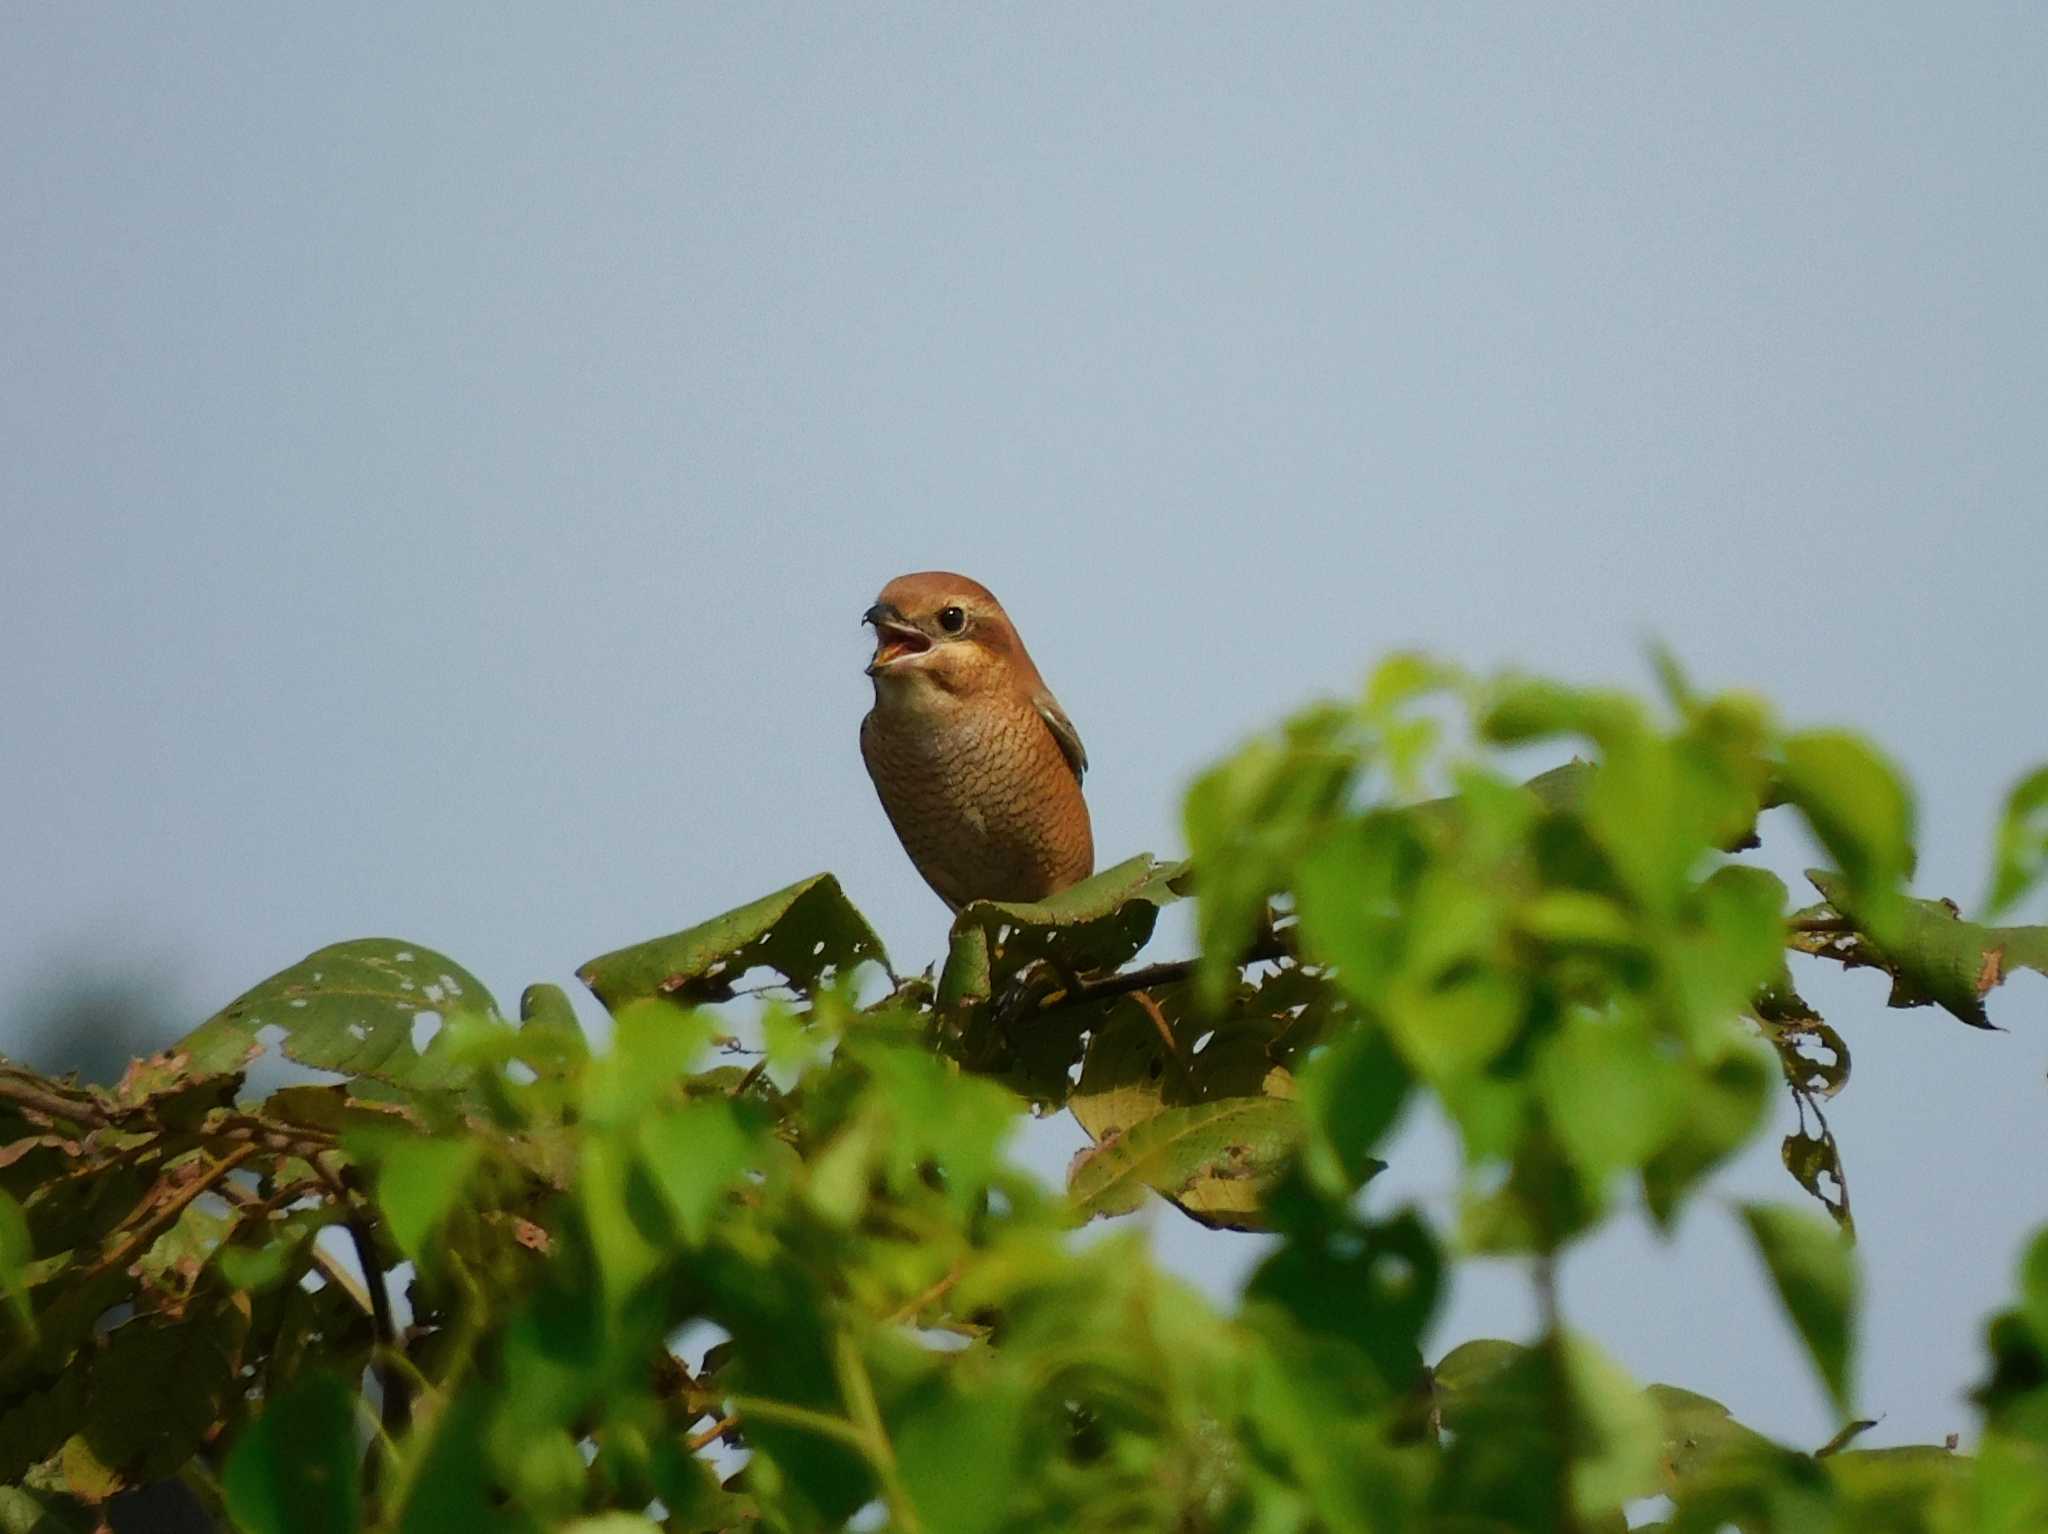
x,y
354,1008
418,1183
803,933
1214,1160
1095,925
1933,956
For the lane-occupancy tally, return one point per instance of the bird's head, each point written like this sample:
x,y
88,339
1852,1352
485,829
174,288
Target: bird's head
x,y
936,629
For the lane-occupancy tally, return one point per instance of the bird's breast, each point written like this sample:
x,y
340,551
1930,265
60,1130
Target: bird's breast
x,y
980,796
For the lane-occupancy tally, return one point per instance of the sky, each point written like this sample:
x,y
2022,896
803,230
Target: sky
x,y
445,454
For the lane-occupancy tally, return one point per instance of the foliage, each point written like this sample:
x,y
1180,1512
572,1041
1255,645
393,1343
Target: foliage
x,y
762,1260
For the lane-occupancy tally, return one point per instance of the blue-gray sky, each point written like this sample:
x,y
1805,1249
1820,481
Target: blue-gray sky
x,y
444,455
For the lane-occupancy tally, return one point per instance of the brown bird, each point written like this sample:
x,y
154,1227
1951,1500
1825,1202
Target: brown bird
x,y
976,763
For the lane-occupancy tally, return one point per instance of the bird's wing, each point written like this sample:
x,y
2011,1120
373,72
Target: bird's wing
x,y
1063,731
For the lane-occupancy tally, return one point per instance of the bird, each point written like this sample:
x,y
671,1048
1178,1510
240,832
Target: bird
x,y
977,766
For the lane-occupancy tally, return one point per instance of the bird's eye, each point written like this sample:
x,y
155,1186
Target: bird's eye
x,y
952,619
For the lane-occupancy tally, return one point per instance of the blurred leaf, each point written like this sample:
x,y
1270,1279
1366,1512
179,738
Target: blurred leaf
x,y
940,1431
1698,1433
1351,1093
1250,817
550,1038
294,1471
418,1182
1552,1437
2020,854
1374,1286
695,1155
25,1512
1858,807
349,1008
1931,953
1614,1093
1616,1436
1724,1103
1815,1274
1456,1028
802,933
1468,1367
1902,1487
1213,1160
16,1251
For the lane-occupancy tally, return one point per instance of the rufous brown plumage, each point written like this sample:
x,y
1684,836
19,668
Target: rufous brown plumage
x,y
975,761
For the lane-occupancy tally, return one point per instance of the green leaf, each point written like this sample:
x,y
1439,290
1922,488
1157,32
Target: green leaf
x,y
1814,1159
16,1252
1615,1432
1699,1434
2020,854
1933,956
1098,924
159,1388
1373,1286
1615,1095
1127,1074
1858,806
969,975
1724,1102
349,1008
695,1156
1450,1031
1351,1093
1250,817
803,933
551,1041
1815,1274
1214,1160
941,1430
418,1182
24,1512
294,1471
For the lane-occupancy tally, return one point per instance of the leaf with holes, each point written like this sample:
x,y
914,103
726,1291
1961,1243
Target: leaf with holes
x,y
1214,1161
1128,1074
803,933
1815,1161
357,1008
1098,924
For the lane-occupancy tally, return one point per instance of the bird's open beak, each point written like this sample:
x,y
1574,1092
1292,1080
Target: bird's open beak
x,y
895,637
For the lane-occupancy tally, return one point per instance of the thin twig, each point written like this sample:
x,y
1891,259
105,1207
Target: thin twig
x,y
859,1392
397,1406
909,1308
178,1201
26,1091
711,1434
329,1265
